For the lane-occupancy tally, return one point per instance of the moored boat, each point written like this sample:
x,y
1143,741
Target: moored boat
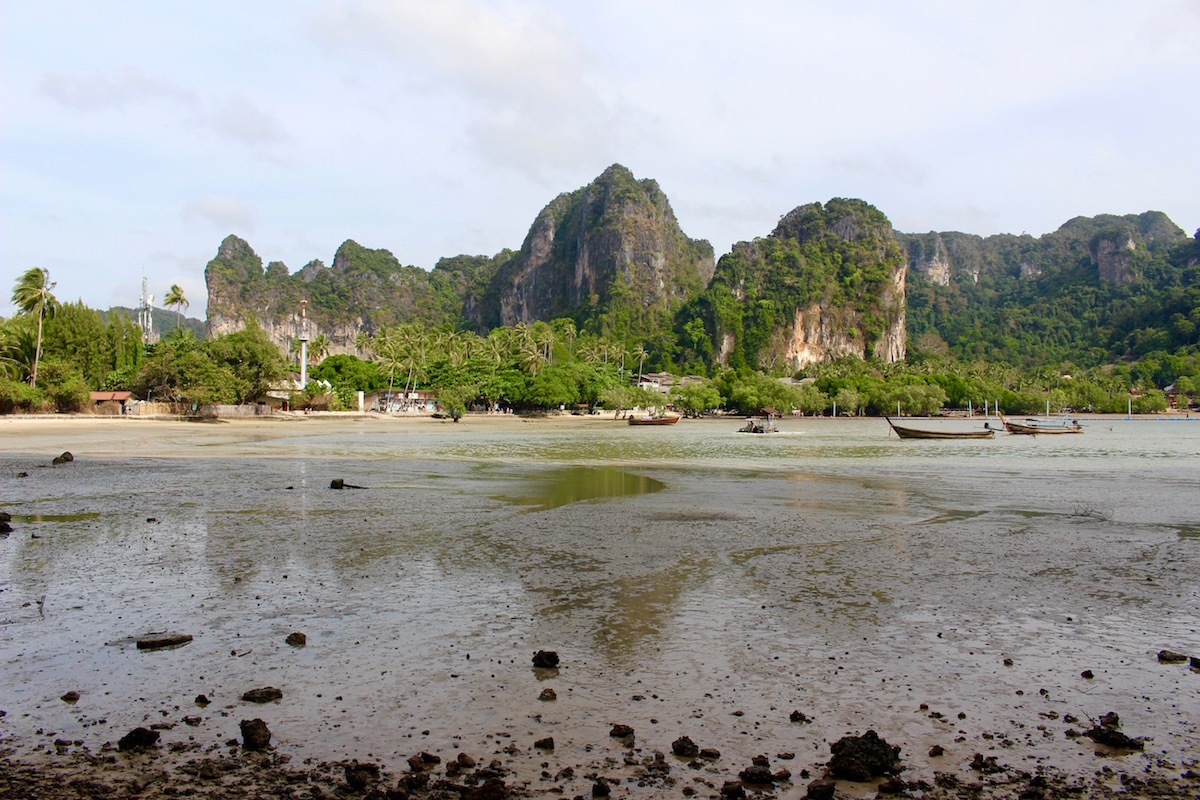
x,y
1032,427
924,433
648,420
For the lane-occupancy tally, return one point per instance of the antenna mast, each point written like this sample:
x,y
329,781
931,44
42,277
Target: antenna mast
x,y
146,313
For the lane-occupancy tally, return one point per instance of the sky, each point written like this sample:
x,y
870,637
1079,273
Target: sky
x,y
135,136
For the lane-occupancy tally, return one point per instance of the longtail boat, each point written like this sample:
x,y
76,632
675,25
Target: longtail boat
x,y
924,433
1032,427
653,420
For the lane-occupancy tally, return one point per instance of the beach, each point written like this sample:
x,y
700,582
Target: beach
x,y
763,597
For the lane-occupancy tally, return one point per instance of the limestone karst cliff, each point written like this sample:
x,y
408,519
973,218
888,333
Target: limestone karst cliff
x,y
611,255
828,282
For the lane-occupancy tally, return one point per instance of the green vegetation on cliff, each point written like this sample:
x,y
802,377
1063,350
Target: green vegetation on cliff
x,y
841,256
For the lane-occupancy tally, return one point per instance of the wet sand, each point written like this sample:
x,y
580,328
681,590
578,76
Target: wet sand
x,y
708,595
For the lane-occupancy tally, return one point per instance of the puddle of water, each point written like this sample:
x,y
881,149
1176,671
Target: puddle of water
x,y
576,484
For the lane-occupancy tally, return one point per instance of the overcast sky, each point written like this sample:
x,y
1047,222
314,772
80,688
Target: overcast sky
x,y
134,136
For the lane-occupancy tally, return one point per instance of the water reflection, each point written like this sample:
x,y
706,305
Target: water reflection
x,y
573,484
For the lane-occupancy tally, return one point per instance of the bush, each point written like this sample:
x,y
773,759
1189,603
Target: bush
x,y
20,397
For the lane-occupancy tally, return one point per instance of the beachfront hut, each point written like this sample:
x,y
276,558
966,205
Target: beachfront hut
x,y
111,402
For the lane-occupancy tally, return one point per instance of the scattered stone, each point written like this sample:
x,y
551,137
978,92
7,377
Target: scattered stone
x,y
800,716
1169,657
861,758
545,744
255,734
937,751
360,776
756,774
545,659
732,790
600,788
65,458
492,789
5,519
138,739
1108,733
202,700
892,786
1195,663
620,731
465,761
430,758
338,483
821,789
266,694
1008,662
191,721
547,695
987,766
685,748
166,640
70,697
783,775
710,753
1087,673
296,639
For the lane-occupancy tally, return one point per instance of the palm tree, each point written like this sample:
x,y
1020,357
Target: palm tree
x,y
175,298
31,295
362,342
640,354
318,348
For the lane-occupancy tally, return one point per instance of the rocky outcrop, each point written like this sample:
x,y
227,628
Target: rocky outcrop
x,y
829,282
1112,254
613,247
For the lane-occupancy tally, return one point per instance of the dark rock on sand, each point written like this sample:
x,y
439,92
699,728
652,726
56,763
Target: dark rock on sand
x,y
5,519
202,700
296,639
491,789
65,458
166,640
360,776
545,744
70,697
861,758
987,766
710,753
800,716
936,751
600,788
545,659
685,748
1169,657
255,734
138,739
1108,733
266,694
547,695
732,790
757,774
338,483
623,732
1087,674
821,789
892,786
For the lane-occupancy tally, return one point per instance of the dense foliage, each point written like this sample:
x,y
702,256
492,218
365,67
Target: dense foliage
x,y
1097,291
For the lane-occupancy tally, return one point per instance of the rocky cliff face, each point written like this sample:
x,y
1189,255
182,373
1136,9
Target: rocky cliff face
x,y
608,253
828,282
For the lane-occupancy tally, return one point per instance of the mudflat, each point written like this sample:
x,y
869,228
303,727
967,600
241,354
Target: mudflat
x,y
728,612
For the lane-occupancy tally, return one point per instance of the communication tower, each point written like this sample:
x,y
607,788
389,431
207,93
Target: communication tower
x,y
146,313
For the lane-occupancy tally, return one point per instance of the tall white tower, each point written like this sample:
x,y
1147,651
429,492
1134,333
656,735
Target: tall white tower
x,y
303,337
146,313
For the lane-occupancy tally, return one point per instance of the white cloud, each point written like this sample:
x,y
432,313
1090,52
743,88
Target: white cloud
x,y
242,121
98,91
222,212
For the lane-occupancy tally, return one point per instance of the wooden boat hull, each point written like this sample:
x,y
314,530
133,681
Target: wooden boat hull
x,y
1036,430
653,420
920,433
